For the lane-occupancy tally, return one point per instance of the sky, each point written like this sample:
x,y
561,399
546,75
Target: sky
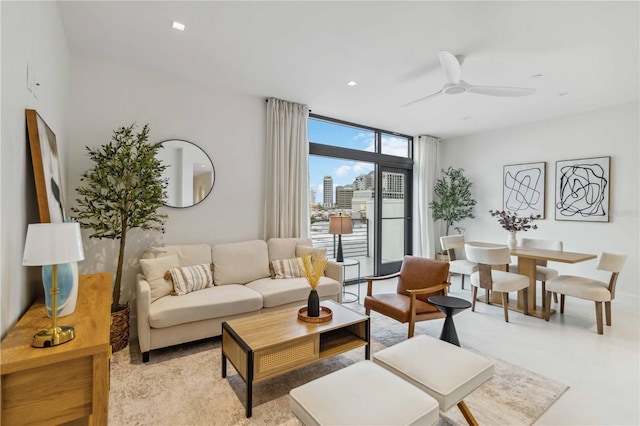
x,y
344,172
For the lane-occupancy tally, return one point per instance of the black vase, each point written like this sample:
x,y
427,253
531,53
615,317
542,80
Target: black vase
x,y
313,304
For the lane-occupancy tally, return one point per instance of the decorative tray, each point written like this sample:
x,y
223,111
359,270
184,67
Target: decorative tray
x,y
325,315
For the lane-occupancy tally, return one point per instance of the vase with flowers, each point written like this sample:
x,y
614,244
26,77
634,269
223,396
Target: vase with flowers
x,y
512,223
313,268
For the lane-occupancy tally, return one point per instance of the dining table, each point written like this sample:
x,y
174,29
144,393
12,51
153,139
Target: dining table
x,y
527,261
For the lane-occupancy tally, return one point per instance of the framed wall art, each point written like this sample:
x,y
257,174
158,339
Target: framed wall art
x,y
523,189
582,189
46,168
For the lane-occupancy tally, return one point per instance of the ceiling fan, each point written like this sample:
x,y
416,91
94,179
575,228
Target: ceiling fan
x,y
454,86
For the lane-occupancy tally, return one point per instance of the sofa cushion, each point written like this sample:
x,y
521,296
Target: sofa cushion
x,y
287,268
188,254
211,302
154,271
240,263
285,248
190,278
281,292
313,252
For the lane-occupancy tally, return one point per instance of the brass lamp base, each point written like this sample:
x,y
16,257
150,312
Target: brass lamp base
x,y
52,337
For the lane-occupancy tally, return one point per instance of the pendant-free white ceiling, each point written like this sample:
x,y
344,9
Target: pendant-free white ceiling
x,y
307,51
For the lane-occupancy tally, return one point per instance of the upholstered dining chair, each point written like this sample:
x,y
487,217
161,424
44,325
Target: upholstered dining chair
x,y
543,273
588,288
494,280
457,265
418,279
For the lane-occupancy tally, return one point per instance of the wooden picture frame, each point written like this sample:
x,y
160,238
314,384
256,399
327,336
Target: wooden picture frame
x,y
523,189
582,189
46,168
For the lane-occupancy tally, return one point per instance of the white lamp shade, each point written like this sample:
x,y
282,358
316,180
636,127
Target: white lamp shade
x,y
340,225
52,244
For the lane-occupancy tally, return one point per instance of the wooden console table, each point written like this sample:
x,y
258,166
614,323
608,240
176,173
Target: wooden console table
x,y
65,383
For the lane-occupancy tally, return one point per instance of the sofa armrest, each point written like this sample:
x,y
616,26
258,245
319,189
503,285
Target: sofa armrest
x,y
334,270
143,307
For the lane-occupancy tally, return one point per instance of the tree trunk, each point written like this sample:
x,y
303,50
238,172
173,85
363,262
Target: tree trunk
x,y
115,298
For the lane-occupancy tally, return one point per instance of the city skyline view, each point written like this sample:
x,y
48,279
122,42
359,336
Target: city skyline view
x,y
343,171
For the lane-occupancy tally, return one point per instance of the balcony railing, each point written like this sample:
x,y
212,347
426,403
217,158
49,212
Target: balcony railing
x,y
353,245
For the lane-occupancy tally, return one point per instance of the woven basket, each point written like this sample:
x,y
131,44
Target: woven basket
x,y
442,257
120,328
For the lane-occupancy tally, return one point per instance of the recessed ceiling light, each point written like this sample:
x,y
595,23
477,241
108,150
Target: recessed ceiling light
x,y
537,76
352,83
563,93
178,26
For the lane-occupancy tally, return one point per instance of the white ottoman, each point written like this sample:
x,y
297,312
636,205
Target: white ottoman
x,y
445,371
362,394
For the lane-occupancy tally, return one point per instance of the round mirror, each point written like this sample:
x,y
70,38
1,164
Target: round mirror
x,y
190,172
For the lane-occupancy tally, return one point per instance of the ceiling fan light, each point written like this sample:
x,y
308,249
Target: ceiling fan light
x,y
454,90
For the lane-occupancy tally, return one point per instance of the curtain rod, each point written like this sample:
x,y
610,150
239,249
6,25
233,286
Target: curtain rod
x,y
267,100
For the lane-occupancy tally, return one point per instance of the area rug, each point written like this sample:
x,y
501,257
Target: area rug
x,y
182,386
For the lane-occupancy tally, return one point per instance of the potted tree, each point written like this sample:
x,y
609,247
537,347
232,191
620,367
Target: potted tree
x,y
454,202
123,190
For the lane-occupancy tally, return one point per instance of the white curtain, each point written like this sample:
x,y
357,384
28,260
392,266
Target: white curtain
x,y
425,171
286,206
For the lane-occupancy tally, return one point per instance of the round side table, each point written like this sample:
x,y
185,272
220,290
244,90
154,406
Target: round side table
x,y
449,306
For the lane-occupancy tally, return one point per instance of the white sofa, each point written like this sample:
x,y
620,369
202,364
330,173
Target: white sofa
x,y
242,286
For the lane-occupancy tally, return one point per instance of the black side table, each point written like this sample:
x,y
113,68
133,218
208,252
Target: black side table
x,y
450,306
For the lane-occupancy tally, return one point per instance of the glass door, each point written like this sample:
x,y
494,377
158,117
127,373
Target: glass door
x,y
395,220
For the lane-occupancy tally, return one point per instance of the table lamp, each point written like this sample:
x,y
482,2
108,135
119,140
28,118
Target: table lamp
x,y
53,244
339,224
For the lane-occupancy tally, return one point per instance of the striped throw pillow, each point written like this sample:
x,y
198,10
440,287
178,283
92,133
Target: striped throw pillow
x,y
287,268
190,278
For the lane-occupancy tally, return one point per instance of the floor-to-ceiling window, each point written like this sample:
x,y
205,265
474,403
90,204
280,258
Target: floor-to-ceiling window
x,y
365,173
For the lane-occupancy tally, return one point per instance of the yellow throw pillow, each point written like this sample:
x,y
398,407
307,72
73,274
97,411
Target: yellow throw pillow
x,y
190,278
287,268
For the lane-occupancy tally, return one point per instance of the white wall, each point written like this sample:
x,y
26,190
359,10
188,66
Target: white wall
x,y
32,33
228,127
607,132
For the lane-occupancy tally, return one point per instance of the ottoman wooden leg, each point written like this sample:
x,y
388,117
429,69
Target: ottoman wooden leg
x,y
467,414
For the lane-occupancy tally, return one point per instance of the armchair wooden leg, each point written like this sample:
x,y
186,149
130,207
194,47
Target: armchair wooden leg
x,y
562,303
555,297
505,306
474,295
525,300
599,317
547,311
607,311
488,296
467,414
367,311
412,326
462,280
544,292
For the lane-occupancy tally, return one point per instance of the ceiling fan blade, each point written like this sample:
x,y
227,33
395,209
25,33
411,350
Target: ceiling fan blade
x,y
423,99
450,66
507,92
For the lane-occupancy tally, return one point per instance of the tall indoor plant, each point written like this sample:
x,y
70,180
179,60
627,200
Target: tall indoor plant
x,y
454,203
123,190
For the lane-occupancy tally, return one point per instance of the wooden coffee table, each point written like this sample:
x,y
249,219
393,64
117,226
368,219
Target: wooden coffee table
x,y
264,346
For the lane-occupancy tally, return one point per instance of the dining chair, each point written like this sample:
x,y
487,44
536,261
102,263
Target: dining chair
x,y
457,265
418,279
543,273
588,288
494,280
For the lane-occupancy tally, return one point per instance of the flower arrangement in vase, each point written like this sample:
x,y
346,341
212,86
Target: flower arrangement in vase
x,y
512,223
313,268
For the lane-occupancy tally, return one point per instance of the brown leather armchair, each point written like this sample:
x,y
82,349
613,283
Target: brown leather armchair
x,y
418,279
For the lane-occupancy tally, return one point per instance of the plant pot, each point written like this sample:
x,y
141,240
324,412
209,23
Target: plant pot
x,y
120,328
442,257
313,304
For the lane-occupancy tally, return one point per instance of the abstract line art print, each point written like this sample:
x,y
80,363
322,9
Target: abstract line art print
x,y
582,189
523,189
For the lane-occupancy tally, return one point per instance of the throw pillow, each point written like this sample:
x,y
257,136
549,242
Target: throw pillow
x,y
154,269
190,278
314,252
287,268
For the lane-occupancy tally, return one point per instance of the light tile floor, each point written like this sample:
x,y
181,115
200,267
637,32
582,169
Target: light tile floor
x,y
603,371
